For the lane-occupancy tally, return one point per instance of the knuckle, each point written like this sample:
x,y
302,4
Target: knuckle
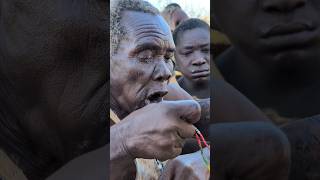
x,y
187,169
196,109
164,143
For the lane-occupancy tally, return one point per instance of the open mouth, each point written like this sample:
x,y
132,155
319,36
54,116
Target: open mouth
x,y
155,97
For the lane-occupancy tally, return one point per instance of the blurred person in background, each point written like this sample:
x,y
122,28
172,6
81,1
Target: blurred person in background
x,y
174,15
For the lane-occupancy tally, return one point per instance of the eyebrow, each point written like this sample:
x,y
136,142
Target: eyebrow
x,y
192,47
151,46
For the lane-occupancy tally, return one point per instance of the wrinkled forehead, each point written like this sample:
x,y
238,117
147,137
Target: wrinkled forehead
x,y
145,25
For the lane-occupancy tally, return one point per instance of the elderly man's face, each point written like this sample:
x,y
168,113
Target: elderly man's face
x,y
142,65
273,30
53,55
193,54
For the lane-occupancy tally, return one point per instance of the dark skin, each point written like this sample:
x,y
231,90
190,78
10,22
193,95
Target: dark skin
x,y
29,85
53,81
244,139
275,58
140,73
239,109
247,131
277,159
76,121
144,62
193,60
275,62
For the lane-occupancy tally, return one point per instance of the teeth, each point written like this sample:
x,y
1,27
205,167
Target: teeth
x,y
147,101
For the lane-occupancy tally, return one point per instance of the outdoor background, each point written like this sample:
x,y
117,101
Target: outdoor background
x,y
195,9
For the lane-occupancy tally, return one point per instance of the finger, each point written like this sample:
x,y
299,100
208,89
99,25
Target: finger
x,y
179,141
188,110
186,130
170,153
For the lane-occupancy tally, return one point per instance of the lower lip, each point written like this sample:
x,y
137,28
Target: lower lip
x,y
200,74
147,101
290,41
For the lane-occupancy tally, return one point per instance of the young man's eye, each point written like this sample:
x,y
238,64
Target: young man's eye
x,y
187,53
206,50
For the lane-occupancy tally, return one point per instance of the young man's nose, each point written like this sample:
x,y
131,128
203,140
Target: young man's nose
x,y
282,6
162,72
199,61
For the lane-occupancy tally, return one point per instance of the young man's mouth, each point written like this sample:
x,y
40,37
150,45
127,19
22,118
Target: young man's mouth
x,y
289,36
200,73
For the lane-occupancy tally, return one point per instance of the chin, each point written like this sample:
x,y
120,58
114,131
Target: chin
x,y
295,58
289,57
200,81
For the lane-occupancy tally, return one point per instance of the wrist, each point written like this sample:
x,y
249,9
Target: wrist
x,y
121,162
118,147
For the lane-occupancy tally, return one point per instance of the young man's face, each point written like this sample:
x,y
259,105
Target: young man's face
x,y
273,30
142,66
193,54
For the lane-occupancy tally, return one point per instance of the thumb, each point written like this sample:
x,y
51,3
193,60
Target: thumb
x,y
187,110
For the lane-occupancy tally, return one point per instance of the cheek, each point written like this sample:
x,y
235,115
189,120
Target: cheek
x,y
134,75
188,61
136,78
185,65
206,56
182,64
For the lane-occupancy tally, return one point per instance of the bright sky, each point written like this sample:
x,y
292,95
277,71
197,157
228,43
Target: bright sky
x,y
191,7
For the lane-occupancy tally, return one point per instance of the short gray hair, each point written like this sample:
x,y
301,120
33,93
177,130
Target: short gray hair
x,y
117,31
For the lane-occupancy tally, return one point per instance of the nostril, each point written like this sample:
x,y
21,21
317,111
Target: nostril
x,y
163,77
282,6
199,62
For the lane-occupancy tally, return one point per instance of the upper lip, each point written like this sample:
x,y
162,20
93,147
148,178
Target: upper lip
x,y
286,28
156,96
199,70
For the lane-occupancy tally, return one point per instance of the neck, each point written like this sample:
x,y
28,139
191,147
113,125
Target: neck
x,y
115,106
279,77
192,86
15,142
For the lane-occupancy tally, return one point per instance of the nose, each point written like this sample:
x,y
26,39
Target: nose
x,y
272,6
162,72
199,61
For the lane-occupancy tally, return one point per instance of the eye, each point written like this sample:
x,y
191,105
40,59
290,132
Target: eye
x,y
145,56
187,53
205,50
145,59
